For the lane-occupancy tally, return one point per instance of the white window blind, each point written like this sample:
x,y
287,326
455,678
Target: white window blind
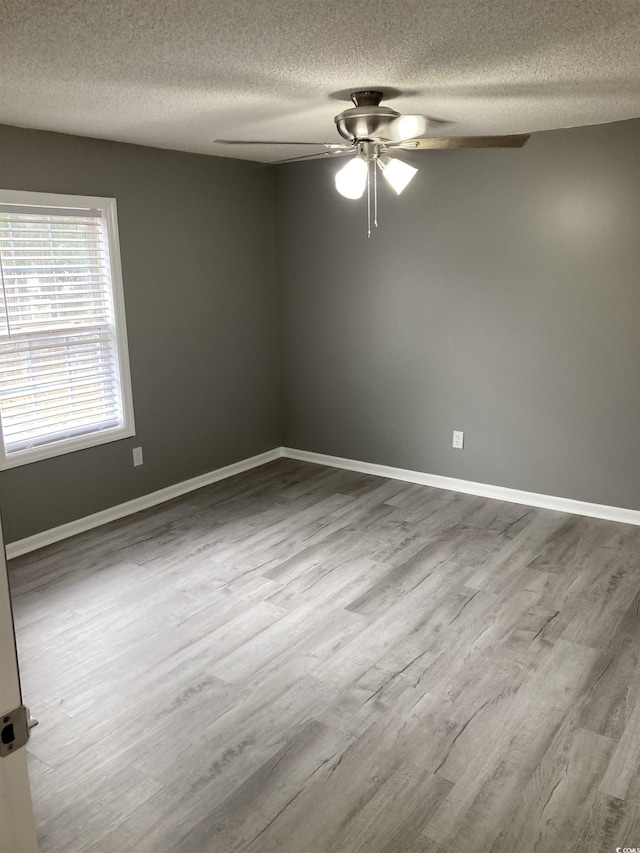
x,y
61,345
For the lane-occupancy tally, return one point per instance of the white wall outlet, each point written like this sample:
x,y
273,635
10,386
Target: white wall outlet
x,y
458,439
137,456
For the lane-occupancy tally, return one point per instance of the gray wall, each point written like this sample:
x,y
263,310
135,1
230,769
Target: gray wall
x,y
196,237
499,296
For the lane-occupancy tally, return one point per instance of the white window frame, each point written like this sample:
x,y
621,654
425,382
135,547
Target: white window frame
x,y
104,436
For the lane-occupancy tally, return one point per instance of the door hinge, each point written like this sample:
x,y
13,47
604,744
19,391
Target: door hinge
x,y
15,728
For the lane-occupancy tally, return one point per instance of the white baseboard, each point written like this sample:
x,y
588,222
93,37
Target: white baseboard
x,y
55,534
64,531
502,493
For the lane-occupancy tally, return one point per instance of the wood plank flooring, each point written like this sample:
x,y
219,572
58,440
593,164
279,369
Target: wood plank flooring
x,y
308,660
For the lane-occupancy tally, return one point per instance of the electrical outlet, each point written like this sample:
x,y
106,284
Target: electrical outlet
x,y
137,456
458,439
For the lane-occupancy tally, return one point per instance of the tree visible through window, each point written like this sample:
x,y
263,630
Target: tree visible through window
x,y
64,376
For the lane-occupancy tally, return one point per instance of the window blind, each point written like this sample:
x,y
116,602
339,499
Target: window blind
x,y
59,372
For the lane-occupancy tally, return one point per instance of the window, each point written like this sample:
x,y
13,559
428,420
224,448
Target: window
x,y
64,363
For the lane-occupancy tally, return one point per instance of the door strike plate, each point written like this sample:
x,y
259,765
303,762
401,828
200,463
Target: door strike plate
x,y
14,730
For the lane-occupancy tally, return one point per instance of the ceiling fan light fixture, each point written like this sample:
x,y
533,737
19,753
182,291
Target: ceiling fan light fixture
x,y
351,180
397,173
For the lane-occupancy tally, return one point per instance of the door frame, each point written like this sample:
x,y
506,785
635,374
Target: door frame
x,y
17,822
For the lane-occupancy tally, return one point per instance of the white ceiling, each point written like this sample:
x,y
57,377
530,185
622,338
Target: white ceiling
x,y
181,73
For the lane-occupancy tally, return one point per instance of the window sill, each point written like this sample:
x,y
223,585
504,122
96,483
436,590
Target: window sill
x,y
64,446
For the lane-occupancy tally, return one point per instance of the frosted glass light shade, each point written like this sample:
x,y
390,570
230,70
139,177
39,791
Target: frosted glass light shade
x,y
397,173
351,180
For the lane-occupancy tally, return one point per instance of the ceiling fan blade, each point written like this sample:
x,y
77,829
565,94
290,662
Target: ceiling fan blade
x,y
406,127
435,142
336,145
322,154
412,127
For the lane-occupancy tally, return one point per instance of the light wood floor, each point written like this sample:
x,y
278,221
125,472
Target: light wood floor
x,y
314,661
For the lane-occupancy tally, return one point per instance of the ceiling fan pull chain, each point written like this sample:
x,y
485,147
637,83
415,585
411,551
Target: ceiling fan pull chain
x,y
368,200
375,193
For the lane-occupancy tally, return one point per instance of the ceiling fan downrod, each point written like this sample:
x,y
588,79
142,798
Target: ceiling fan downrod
x,y
366,98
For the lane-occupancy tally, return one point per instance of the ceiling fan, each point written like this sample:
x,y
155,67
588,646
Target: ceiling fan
x,y
374,133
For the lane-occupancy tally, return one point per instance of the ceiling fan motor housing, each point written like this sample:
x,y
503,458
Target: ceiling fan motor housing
x,y
367,120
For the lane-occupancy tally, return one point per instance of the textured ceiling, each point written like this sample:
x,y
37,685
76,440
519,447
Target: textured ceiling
x,y
181,73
